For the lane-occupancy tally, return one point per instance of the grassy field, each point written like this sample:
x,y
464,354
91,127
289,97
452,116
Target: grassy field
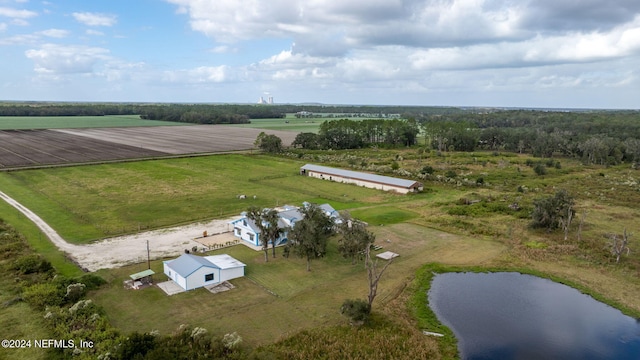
x,y
279,298
67,122
289,123
88,203
456,221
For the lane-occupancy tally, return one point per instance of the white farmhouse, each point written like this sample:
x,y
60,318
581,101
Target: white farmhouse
x,y
192,271
246,229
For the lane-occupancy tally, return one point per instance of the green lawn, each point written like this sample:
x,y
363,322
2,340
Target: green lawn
x,y
67,122
290,123
279,298
85,203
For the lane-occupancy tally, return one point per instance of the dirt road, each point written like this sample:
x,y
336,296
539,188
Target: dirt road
x,y
123,250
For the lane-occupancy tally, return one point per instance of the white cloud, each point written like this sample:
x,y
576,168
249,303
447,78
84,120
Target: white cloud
x,y
55,33
53,59
199,75
17,13
3,26
92,32
19,39
95,19
224,49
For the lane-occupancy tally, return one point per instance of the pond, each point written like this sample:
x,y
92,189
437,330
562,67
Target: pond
x,y
516,316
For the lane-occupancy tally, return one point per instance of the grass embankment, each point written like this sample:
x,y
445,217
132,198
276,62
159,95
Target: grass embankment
x,y
68,122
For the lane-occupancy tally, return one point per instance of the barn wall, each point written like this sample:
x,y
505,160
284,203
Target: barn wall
x,y
358,182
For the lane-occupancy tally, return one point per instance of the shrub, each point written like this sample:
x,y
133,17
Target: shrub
x,y
41,295
30,264
540,169
75,291
451,174
92,281
427,170
357,311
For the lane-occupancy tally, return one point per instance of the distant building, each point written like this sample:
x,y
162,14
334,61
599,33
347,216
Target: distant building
x,y
386,183
262,101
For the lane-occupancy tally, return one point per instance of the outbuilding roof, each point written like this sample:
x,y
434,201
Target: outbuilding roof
x,y
187,264
224,261
360,175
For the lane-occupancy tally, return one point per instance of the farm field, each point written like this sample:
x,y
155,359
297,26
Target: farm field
x,y
289,123
455,221
67,122
91,202
24,148
21,148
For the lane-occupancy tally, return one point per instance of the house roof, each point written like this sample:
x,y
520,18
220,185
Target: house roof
x,y
187,264
224,261
360,175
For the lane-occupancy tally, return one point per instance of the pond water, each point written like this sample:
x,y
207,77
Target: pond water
x,y
515,316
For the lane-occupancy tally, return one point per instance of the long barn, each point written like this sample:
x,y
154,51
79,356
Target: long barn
x,y
380,182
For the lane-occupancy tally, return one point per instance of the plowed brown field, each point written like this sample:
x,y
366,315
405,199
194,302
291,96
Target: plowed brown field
x,y
25,148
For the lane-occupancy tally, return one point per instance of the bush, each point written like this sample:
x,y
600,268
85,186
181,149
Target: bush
x,y
357,310
92,281
427,170
41,295
540,169
30,264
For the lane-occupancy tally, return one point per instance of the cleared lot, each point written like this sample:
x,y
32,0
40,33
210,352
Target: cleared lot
x,y
24,148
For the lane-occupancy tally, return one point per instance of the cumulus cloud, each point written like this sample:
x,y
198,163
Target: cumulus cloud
x,y
55,33
199,75
95,19
17,13
54,59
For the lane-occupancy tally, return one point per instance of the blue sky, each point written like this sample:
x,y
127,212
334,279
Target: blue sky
x,y
511,53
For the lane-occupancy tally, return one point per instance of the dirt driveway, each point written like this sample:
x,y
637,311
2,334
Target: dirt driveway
x,y
130,249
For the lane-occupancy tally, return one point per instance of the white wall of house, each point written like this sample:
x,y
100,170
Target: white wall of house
x,y
245,232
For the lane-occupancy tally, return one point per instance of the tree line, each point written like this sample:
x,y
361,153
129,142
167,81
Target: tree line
x,y
604,137
350,134
189,113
